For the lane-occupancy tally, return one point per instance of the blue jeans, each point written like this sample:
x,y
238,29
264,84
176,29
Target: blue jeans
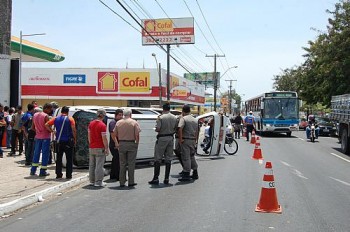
x,y
41,146
308,132
8,138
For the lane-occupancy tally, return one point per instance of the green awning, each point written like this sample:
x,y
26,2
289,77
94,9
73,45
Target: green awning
x,y
33,52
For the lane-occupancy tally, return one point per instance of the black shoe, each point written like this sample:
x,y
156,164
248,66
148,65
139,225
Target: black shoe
x,y
68,177
195,175
181,173
28,164
44,174
131,185
185,177
166,181
59,176
32,173
1,156
122,185
154,181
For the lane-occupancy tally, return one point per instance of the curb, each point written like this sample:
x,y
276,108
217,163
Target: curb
x,y
10,207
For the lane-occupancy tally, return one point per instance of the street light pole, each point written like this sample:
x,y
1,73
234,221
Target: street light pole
x,y
20,63
160,79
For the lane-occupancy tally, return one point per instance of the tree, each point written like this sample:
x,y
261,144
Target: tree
x,y
326,70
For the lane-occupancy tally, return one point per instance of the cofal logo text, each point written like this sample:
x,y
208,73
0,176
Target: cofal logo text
x,y
134,82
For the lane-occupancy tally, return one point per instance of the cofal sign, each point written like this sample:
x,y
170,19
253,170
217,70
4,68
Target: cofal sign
x,y
168,31
134,82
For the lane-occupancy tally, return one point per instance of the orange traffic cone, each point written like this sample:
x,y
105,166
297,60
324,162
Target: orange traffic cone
x,y
268,202
257,150
252,140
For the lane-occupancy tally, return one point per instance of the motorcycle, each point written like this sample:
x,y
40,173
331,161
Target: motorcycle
x,y
312,132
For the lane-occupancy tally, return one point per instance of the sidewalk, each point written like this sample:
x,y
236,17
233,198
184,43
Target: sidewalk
x,y
18,189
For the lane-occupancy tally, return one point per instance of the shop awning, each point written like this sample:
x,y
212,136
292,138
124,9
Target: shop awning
x,y
33,52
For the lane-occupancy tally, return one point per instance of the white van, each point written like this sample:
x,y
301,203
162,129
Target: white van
x,y
83,115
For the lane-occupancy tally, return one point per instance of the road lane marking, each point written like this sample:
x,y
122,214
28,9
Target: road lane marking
x,y
298,173
301,139
338,156
285,163
340,181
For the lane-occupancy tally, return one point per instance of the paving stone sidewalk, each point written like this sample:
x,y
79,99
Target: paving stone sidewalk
x,y
16,183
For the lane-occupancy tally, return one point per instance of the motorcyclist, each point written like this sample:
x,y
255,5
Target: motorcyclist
x,y
312,120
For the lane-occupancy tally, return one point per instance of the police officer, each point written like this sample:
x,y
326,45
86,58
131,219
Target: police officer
x,y
164,147
188,134
249,122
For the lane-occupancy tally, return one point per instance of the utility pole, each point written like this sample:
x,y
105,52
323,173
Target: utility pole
x,y
230,95
215,77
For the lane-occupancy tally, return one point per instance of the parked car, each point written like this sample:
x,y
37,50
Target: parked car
x,y
327,127
302,124
160,110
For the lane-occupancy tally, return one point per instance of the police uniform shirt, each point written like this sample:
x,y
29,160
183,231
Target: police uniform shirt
x,y
189,127
166,124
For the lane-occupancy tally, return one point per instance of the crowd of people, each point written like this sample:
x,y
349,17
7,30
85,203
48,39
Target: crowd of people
x,y
39,131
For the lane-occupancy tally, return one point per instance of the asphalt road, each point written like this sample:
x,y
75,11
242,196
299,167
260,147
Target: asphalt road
x,y
312,182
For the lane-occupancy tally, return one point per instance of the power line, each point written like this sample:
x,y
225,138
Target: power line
x,y
162,9
131,10
206,22
181,49
119,16
156,41
141,7
199,27
212,34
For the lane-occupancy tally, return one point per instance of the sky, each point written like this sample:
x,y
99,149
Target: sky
x,y
261,37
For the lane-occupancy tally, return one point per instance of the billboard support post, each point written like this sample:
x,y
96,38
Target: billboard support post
x,y
168,74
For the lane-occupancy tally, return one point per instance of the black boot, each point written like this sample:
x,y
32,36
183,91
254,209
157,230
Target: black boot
x,y
185,177
155,179
167,173
195,175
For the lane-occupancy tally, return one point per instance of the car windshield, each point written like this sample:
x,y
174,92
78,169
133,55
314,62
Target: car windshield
x,y
323,120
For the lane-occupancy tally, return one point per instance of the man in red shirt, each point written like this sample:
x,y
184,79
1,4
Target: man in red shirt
x,y
98,149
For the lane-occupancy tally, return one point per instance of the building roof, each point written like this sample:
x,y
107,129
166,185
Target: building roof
x,y
33,52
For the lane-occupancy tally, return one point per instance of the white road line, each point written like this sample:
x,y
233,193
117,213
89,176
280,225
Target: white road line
x,y
285,163
340,181
301,139
338,156
298,173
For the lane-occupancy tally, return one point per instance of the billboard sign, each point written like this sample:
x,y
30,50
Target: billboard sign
x,y
206,78
168,31
74,78
134,82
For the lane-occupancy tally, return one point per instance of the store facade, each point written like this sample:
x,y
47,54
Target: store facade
x,y
107,86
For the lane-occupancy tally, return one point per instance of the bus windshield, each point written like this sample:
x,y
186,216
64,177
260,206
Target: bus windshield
x,y
281,108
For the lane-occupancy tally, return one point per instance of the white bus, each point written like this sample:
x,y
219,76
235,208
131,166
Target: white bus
x,y
275,112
